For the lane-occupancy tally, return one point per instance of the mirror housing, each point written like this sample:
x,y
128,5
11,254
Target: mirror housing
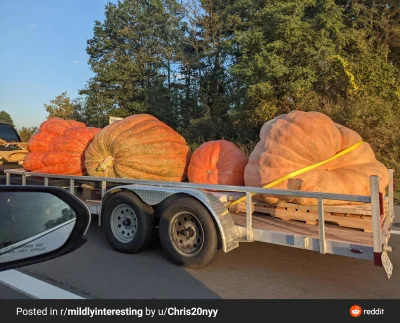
x,y
31,216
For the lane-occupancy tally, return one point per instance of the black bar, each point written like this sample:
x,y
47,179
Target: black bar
x,y
245,311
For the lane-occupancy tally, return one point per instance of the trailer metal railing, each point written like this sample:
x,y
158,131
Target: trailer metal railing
x,y
379,235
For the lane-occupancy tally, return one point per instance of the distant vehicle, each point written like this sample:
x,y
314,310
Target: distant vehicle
x,y
8,133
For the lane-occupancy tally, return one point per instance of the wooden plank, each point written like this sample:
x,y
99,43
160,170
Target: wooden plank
x,y
361,209
295,212
333,232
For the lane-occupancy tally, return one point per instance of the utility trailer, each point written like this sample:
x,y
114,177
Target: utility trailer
x,y
194,221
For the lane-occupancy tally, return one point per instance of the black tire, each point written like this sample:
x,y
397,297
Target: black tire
x,y
141,222
181,218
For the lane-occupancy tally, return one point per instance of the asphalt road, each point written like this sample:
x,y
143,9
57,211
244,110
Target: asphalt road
x,y
9,293
254,270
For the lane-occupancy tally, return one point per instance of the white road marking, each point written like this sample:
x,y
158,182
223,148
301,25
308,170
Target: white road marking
x,y
33,287
394,231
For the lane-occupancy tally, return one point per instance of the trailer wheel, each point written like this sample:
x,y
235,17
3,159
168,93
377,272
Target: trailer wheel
x,y
128,222
187,233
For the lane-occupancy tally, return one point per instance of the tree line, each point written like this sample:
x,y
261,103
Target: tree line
x,y
215,69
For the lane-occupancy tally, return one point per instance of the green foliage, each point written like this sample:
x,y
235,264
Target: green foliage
x,y
25,133
221,68
60,107
132,54
6,118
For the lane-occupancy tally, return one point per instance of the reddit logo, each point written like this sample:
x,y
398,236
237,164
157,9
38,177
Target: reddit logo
x,y
355,311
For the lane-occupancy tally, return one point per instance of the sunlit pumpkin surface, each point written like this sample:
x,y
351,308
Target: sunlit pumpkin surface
x,y
59,147
139,147
218,162
298,139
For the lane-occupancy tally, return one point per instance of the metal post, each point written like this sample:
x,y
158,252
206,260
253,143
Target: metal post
x,y
103,188
321,222
46,181
23,179
376,214
249,215
8,179
71,186
391,206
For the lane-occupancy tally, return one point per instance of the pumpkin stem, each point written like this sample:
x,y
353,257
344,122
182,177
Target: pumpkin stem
x,y
105,164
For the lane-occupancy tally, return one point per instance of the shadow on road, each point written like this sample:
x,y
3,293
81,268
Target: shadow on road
x,y
97,271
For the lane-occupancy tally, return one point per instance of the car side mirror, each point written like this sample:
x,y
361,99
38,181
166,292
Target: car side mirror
x,y
39,223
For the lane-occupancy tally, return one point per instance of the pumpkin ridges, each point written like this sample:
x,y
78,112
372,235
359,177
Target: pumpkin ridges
x,y
199,160
136,137
300,145
148,143
100,138
135,120
123,171
210,153
227,163
317,119
283,154
143,126
227,150
73,141
106,134
161,135
274,157
212,176
217,162
154,168
59,147
159,149
58,126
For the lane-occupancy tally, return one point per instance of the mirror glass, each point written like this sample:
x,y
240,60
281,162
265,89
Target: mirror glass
x,y
33,223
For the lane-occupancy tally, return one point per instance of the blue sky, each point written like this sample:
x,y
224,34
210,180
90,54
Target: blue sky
x,y
43,53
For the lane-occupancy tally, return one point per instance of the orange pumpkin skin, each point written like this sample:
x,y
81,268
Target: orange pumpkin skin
x,y
58,147
138,147
299,139
218,162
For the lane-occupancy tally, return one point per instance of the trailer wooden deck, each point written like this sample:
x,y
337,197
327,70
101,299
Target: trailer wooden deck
x,y
333,232
344,223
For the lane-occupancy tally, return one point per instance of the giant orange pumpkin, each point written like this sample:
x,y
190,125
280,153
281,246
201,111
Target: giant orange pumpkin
x,y
58,147
138,147
299,139
218,162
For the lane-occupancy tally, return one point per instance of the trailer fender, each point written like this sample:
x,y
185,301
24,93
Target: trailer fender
x,y
155,195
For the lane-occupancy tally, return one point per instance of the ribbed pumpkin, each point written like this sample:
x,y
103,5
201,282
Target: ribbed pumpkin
x,y
58,147
218,162
298,139
138,147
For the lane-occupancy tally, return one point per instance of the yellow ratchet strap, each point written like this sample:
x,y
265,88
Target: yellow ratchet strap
x,y
303,170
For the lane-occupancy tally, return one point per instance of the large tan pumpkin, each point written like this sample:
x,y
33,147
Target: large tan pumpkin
x,y
138,147
299,139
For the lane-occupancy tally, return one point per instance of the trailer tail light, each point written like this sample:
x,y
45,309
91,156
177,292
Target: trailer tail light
x,y
381,207
378,259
